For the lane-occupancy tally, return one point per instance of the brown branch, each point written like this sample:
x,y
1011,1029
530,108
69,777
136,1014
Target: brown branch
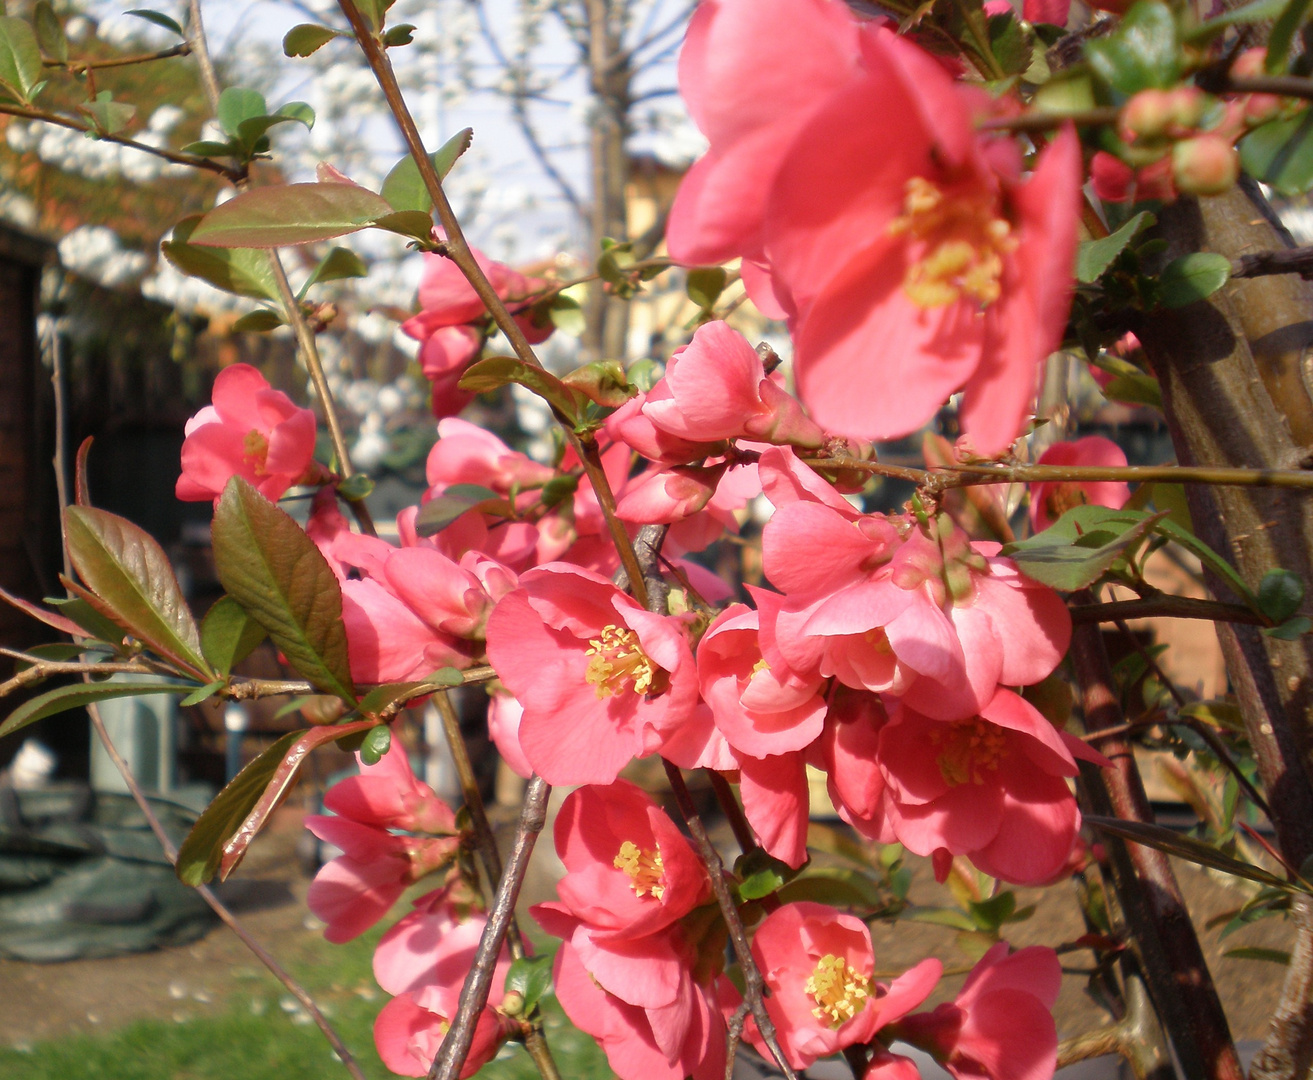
x,y
1165,605
1163,934
474,994
753,986
171,853
1284,85
44,669
1285,261
1042,121
226,171
74,66
200,45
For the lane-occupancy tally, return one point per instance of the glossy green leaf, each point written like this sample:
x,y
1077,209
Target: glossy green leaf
x,y
50,31
243,271
498,371
401,34
1210,558
1279,594
307,38
1010,43
439,512
285,214
260,321
705,284
93,623
603,382
404,188
838,886
1291,628
1192,278
223,832
1143,51
1257,952
76,695
159,19
416,224
237,104
1077,549
1280,153
109,116
531,978
1184,847
251,130
566,315
1137,389
1093,257
938,916
204,693
52,619
209,148
229,635
338,264
268,564
20,57
1282,34
992,913
376,743
124,566
761,874
355,488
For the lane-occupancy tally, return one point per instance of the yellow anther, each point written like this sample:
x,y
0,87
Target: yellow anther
x,y
964,244
644,869
255,451
840,992
971,749
619,663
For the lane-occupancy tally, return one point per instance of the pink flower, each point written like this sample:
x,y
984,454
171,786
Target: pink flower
x,y
410,1028
251,431
819,965
850,747
388,795
719,390
468,454
629,871
601,680
911,258
1050,499
992,787
504,715
1000,1026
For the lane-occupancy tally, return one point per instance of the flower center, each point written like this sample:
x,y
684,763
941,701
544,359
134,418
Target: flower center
x,y
255,451
840,992
964,245
644,869
971,748
619,663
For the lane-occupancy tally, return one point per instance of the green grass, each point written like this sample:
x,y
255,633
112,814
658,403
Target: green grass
x,y
253,1037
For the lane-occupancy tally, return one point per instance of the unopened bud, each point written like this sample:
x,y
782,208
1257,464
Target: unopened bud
x,y
1147,116
1205,165
1188,105
513,1003
1250,64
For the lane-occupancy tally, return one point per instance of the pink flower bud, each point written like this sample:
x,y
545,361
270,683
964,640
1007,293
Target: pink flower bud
x,y
1205,165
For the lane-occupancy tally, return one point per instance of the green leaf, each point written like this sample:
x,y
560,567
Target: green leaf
x,y
376,743
1080,546
401,34
1279,595
566,315
1143,51
20,57
260,321
206,691
223,832
497,371
1256,952
307,38
237,104
761,874
415,224
109,116
439,512
1137,389
159,19
1291,628
1282,34
404,188
208,148
1184,847
93,623
229,635
603,382
129,572
838,886
1258,11
1280,153
1011,45
992,913
285,214
1069,92
339,263
243,271
530,977
357,487
268,564
705,284
950,917
1093,257
75,695
50,31
250,131
1210,558
383,697
1192,277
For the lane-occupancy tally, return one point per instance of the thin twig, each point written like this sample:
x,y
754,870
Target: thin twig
x,y
753,985
743,833
171,853
1284,85
1166,606
74,66
474,994
733,1035
201,47
61,438
1091,1044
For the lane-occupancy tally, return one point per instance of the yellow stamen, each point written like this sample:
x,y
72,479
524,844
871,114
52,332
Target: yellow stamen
x,y
255,450
971,749
644,869
619,663
840,992
964,245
